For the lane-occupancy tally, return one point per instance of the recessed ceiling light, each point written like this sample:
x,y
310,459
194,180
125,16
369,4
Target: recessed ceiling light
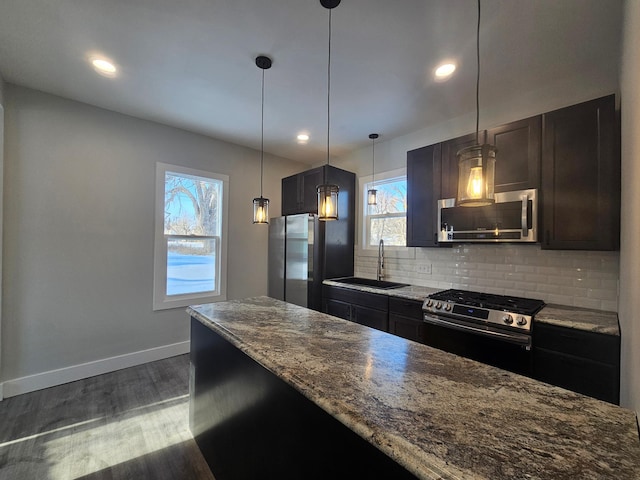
x,y
104,67
444,71
303,138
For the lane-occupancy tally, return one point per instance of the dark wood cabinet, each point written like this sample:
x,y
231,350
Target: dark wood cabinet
x,y
432,173
299,191
518,156
424,178
585,362
405,319
291,195
369,309
519,146
581,177
572,155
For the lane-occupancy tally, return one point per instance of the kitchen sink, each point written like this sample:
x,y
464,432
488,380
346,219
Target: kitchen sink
x,y
369,282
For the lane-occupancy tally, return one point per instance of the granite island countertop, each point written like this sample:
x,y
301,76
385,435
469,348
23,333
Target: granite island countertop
x,y
585,319
439,415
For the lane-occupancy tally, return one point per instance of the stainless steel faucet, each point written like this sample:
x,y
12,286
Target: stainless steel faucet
x,y
381,260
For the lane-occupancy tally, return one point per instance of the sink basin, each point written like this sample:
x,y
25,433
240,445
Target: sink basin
x,y
369,282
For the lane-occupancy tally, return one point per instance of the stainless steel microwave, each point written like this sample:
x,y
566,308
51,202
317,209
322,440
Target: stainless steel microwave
x,y
512,218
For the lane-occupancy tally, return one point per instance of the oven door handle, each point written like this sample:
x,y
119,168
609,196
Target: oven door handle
x,y
513,338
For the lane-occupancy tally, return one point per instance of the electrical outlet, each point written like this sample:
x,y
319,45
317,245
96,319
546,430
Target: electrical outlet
x,y
423,268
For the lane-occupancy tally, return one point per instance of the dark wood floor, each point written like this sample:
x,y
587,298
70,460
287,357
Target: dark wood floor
x,y
129,424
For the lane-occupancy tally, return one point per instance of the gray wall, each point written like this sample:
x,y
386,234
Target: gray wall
x,y
79,227
630,233
1,210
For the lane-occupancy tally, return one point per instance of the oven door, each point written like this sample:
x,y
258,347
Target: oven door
x,y
499,348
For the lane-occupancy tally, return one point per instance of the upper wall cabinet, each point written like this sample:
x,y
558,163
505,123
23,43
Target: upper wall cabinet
x,y
424,179
581,177
299,193
571,155
432,173
518,157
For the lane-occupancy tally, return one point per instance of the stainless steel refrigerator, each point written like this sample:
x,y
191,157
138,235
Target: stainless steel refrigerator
x,y
302,253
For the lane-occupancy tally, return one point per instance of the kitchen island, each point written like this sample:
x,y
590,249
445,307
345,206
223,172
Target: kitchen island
x,y
434,414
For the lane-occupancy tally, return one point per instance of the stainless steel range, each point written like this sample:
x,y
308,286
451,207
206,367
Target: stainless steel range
x,y
495,329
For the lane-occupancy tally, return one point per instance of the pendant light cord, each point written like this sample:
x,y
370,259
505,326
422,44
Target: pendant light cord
x,y
478,79
329,90
262,135
373,161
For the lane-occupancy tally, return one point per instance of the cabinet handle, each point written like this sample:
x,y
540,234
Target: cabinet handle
x,y
523,216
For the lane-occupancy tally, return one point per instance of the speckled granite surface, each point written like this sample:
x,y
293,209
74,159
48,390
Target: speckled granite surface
x,y
439,415
580,318
570,317
411,292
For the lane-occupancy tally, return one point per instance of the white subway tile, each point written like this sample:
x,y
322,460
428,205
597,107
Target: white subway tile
x,y
588,279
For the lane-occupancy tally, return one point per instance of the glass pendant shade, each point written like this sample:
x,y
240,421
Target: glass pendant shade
x,y
476,175
260,210
327,202
372,196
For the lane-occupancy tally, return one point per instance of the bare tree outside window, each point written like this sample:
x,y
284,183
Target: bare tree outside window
x,y
190,246
191,228
191,206
387,220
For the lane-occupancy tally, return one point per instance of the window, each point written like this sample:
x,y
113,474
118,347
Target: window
x,y
387,220
190,237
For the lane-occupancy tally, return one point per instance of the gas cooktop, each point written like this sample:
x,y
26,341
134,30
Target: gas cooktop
x,y
526,306
500,310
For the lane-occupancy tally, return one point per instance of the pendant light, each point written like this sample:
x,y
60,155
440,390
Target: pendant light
x,y
476,164
372,192
328,193
261,204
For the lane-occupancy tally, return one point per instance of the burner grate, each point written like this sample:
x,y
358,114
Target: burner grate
x,y
526,306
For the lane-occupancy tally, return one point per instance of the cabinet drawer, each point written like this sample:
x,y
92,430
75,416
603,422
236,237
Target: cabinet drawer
x,y
371,317
370,300
407,327
405,307
337,308
594,346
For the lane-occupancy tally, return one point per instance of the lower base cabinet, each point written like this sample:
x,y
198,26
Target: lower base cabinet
x,y
368,309
584,362
405,319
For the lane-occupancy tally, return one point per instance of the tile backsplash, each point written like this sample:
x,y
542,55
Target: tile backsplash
x,y
585,279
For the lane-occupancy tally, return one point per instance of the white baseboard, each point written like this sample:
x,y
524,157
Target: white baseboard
x,y
18,386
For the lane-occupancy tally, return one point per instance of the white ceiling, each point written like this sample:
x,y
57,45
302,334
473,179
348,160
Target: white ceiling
x,y
190,63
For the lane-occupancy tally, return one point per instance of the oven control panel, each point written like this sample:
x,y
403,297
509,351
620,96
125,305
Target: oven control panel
x,y
494,317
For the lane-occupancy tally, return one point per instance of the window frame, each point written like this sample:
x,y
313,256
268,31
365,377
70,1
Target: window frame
x,y
364,248
162,301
